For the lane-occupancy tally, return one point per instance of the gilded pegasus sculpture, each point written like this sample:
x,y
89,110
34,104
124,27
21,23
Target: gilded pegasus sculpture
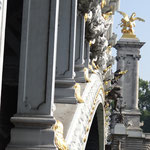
x,y
127,24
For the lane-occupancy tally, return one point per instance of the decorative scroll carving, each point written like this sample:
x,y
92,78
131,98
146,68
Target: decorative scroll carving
x,y
91,69
84,6
87,79
96,29
59,139
93,95
107,123
78,93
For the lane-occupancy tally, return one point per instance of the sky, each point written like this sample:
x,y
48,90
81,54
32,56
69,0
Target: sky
x,y
142,31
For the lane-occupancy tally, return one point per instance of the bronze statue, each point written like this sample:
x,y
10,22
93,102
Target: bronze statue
x,y
114,94
127,23
117,75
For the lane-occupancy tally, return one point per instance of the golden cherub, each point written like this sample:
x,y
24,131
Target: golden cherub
x,y
127,24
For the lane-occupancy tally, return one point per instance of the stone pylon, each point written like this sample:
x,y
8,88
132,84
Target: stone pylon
x,y
128,55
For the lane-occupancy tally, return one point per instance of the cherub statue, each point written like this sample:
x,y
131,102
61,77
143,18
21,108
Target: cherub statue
x,y
127,23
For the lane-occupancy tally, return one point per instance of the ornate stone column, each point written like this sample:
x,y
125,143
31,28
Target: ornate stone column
x,y
128,55
66,52
79,53
34,117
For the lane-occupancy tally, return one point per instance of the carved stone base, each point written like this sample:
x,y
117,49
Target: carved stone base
x,y
79,74
32,133
129,35
64,91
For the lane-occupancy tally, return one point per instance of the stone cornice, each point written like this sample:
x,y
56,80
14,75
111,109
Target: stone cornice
x,y
129,44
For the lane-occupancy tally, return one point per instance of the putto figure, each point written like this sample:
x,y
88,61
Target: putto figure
x,y
127,24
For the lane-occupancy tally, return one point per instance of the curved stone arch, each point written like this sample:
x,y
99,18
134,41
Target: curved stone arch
x,y
97,129
94,97
101,130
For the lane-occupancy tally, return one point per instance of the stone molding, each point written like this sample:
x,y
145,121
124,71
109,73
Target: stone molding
x,y
129,44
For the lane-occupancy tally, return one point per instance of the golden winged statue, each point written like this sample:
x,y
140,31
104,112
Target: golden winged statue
x,y
127,24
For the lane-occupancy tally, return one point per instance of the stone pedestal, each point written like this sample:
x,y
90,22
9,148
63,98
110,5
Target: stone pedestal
x,y
119,136
34,117
79,53
66,52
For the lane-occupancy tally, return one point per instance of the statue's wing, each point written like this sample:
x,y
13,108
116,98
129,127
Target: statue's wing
x,y
140,19
125,16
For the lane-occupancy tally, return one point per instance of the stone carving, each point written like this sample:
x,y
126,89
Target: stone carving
x,y
106,69
120,116
114,94
87,79
107,122
113,40
91,69
121,57
78,93
107,15
132,121
84,6
96,29
97,25
59,139
94,65
117,75
111,6
77,136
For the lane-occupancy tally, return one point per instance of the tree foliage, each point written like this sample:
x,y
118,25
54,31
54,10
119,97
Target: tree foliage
x,y
144,103
144,95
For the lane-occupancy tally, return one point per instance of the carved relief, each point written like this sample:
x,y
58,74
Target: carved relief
x,y
92,95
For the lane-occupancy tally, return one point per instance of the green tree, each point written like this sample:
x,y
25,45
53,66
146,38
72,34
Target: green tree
x,y
144,103
144,95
